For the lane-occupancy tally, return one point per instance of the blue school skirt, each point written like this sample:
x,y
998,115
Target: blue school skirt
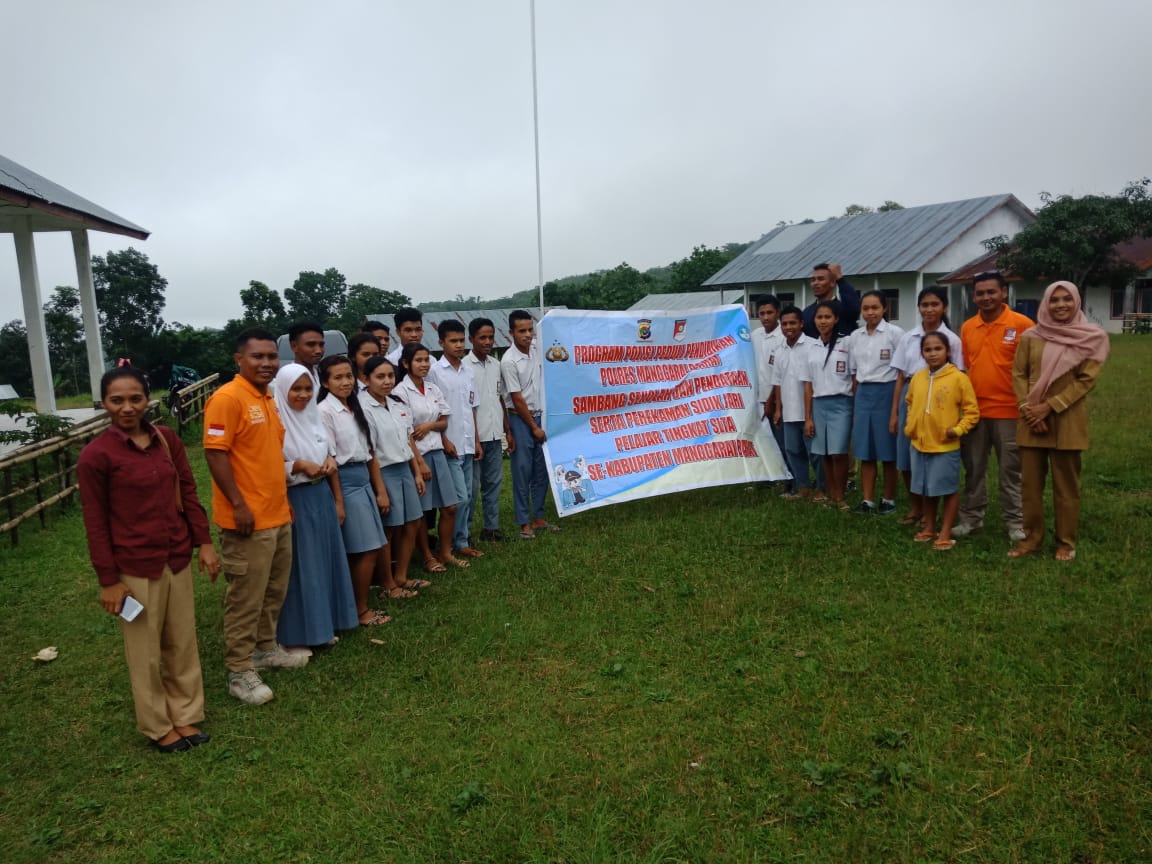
x,y
871,440
935,474
362,529
832,416
440,491
401,487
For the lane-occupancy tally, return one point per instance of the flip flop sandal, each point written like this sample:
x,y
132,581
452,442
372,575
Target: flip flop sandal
x,y
456,562
419,584
943,545
527,535
376,619
469,552
399,593
434,566
555,529
925,536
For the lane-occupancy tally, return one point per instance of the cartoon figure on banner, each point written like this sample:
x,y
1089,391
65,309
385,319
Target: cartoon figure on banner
x,y
556,354
581,466
644,329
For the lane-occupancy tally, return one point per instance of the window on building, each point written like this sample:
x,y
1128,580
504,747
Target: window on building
x,y
892,295
787,299
1142,301
1117,302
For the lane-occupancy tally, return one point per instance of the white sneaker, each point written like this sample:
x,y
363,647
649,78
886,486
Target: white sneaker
x,y
1016,535
248,688
278,658
962,530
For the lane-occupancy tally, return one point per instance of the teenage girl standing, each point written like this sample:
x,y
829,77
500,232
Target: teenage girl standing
x,y
429,420
828,400
932,303
361,492
871,348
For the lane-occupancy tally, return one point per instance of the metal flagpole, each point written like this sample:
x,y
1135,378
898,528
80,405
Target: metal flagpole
x,y
536,139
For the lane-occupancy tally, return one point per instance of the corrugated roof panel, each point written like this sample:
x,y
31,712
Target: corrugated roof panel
x,y
899,241
26,182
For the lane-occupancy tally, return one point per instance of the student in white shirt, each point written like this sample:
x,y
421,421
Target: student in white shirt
x,y
454,378
522,371
871,349
766,341
491,426
932,303
361,348
429,420
788,402
360,498
409,331
828,400
401,473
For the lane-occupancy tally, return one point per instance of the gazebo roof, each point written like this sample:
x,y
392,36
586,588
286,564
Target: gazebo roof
x,y
47,206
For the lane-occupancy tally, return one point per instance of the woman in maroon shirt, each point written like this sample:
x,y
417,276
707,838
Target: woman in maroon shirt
x,y
143,519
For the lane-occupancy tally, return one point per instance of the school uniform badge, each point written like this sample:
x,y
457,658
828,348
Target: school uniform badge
x,y
680,329
1009,334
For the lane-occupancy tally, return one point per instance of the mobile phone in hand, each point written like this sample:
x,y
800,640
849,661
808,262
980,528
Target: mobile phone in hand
x,y
130,608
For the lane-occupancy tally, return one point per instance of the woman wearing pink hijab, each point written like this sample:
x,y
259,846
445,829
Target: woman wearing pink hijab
x,y
1056,366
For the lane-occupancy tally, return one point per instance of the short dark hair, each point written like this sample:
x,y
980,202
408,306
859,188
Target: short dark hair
x,y
123,372
407,314
518,315
449,325
374,325
261,334
988,276
476,323
823,265
301,327
768,300
792,309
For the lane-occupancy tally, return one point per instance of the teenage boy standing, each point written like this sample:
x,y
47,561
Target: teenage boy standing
x,y
491,427
409,331
522,370
454,378
306,339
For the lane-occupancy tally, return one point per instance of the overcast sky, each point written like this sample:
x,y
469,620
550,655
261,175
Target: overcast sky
x,y
393,140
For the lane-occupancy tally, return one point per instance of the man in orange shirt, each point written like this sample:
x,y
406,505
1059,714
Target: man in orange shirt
x,y
243,445
990,339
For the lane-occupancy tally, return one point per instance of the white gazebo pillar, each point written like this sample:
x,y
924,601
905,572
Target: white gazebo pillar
x,y
89,311
34,319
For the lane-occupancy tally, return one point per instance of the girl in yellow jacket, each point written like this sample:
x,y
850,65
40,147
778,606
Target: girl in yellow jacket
x,y
941,409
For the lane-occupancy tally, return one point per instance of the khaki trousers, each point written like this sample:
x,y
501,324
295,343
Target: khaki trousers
x,y
163,657
257,569
999,435
1034,462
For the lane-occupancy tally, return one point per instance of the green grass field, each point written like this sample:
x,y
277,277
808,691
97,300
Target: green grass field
x,y
714,676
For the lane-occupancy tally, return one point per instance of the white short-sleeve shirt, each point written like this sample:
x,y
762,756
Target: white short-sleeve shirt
x,y
522,373
786,375
458,385
425,407
391,426
489,390
908,359
766,347
871,353
827,371
344,433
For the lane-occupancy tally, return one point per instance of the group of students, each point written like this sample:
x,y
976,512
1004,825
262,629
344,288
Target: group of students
x,y
327,473
925,402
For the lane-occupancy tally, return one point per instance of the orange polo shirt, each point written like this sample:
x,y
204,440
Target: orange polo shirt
x,y
243,422
989,349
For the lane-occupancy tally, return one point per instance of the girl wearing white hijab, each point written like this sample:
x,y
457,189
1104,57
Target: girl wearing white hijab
x,y
319,599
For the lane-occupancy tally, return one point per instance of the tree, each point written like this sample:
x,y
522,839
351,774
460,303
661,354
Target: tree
x,y
262,306
889,206
1075,238
364,301
857,210
317,296
65,331
130,298
689,274
15,364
